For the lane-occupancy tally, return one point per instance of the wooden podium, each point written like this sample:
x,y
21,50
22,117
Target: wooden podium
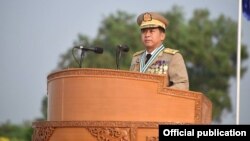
x,y
104,104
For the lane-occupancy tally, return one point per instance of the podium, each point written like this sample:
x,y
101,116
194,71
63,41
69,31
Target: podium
x,y
103,104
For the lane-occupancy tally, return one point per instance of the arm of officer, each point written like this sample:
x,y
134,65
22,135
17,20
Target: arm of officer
x,y
178,75
132,65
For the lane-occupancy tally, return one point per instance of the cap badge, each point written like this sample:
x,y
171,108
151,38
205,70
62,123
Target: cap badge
x,y
147,17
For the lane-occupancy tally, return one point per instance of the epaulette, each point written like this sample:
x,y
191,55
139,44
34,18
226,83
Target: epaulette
x,y
138,52
170,51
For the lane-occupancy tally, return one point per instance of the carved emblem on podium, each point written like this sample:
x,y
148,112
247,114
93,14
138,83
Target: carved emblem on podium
x,y
42,133
110,134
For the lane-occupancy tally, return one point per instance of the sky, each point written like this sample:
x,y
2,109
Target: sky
x,y
34,33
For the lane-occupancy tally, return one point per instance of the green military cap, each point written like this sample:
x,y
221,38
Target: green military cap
x,y
151,19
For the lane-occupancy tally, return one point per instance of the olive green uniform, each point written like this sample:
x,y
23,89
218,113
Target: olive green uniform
x,y
168,62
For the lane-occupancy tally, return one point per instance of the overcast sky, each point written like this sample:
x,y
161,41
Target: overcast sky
x,y
34,33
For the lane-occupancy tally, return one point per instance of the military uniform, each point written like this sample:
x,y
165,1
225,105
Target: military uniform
x,y
168,62
164,61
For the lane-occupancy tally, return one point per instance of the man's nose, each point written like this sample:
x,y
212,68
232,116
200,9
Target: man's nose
x,y
147,33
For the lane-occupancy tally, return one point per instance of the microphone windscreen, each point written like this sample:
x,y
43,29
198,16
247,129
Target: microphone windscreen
x,y
124,48
98,50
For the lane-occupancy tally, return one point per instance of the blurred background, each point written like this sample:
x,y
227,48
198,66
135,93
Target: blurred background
x,y
37,37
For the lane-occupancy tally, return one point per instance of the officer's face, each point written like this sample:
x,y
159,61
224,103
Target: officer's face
x,y
152,38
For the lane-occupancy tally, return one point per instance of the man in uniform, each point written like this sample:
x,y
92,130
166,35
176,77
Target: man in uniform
x,y
156,59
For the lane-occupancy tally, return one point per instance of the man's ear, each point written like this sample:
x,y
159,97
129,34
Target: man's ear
x,y
163,36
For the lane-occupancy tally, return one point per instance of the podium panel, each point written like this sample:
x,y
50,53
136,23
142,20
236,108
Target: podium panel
x,y
103,104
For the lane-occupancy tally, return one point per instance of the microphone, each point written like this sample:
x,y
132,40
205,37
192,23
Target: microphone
x,y
119,50
94,49
83,49
123,48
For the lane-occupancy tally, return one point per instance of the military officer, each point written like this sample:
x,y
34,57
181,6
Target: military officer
x,y
155,58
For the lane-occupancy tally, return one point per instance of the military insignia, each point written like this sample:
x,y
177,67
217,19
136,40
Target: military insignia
x,y
170,51
159,67
137,61
139,52
147,17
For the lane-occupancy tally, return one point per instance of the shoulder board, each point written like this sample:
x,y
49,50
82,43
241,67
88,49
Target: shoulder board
x,y
170,51
138,52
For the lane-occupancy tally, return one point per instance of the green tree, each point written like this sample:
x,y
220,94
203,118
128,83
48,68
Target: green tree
x,y
113,32
208,46
13,132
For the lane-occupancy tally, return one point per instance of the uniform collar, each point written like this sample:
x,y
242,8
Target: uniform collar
x,y
153,50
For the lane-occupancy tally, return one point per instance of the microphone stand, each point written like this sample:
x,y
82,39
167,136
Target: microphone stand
x,y
118,56
81,59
